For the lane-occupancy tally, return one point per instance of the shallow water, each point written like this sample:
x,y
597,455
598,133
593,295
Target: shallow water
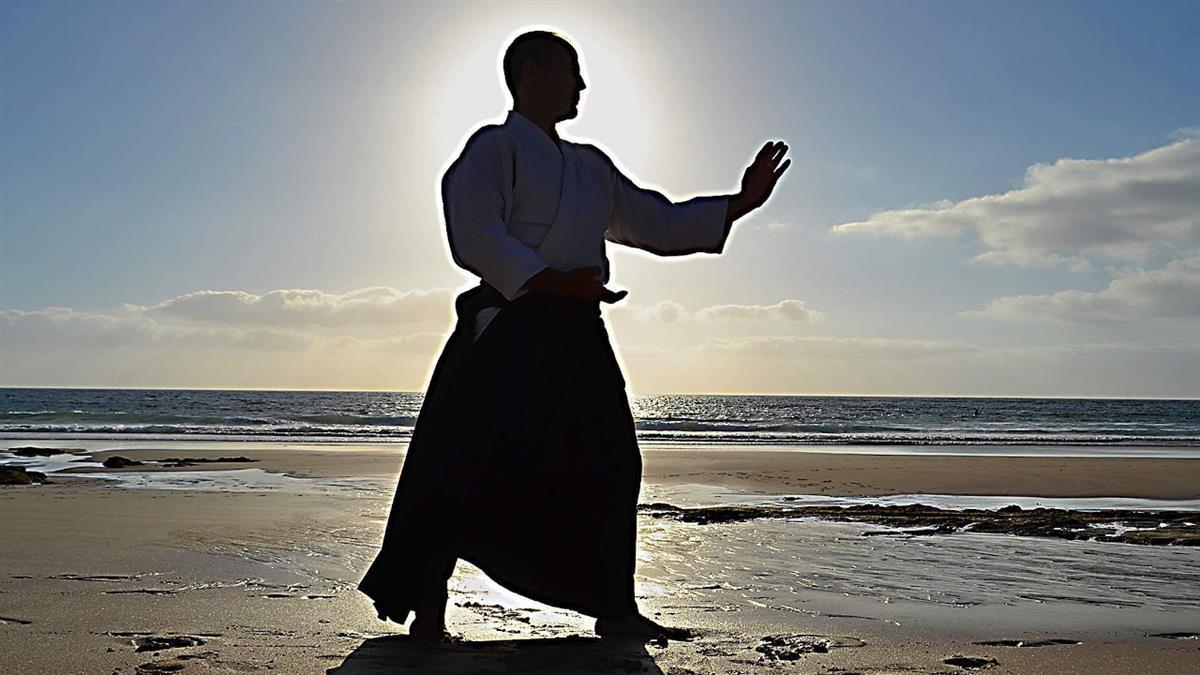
x,y
813,567
228,480
215,480
691,495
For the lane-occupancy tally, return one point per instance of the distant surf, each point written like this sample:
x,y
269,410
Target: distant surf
x,y
710,420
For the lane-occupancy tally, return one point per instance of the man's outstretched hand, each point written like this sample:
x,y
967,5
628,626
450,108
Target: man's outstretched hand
x,y
579,283
759,179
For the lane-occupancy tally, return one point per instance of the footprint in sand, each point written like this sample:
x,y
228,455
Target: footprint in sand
x,y
158,643
971,662
1177,636
1051,642
792,647
155,667
67,576
498,612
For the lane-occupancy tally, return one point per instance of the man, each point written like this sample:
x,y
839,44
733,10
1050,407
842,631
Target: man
x,y
524,459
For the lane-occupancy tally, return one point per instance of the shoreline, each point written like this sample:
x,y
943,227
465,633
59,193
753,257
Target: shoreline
x,y
749,469
900,448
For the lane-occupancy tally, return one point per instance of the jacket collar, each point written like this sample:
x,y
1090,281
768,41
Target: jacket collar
x,y
528,127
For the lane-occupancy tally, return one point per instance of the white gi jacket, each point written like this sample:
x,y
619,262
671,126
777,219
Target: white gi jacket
x,y
514,204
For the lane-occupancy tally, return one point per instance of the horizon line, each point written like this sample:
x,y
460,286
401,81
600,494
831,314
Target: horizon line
x,y
632,393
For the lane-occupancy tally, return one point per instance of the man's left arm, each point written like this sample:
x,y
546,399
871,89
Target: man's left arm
x,y
646,219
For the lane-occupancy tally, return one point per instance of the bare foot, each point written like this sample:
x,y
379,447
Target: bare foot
x,y
429,624
636,625
428,631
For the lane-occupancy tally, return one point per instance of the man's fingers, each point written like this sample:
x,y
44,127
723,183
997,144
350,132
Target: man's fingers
x,y
783,148
588,272
770,152
764,152
782,167
771,162
583,284
612,296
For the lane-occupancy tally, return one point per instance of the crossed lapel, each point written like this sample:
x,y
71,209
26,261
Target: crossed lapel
x,y
557,247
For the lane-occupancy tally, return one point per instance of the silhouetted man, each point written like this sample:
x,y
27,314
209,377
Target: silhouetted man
x,y
524,460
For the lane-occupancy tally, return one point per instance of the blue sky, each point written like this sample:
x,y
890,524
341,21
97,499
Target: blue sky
x,y
150,152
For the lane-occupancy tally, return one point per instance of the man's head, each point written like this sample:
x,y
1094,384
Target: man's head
x,y
541,70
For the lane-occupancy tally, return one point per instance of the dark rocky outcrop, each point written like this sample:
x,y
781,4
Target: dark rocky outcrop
x,y
15,475
119,462
34,451
192,461
1180,528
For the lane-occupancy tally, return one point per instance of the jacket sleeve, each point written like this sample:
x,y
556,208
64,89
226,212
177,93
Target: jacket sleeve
x,y
646,219
477,193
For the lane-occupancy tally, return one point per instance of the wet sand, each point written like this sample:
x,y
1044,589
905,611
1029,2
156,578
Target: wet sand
x,y
95,577
872,475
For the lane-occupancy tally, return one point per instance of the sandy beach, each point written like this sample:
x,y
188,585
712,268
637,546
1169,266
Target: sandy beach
x,y
246,566
836,338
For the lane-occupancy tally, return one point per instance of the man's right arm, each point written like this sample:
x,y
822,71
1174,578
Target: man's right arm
x,y
475,192
579,283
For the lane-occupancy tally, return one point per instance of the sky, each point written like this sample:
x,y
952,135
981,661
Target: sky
x,y
985,198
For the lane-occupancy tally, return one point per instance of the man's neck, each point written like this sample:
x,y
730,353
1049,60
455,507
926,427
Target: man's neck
x,y
545,123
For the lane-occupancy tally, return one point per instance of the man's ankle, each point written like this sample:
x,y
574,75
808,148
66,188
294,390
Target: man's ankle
x,y
434,600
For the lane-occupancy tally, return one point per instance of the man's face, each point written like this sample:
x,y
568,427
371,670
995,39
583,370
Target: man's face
x,y
561,83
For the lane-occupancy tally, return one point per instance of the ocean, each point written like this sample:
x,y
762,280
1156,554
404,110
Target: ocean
x,y
661,419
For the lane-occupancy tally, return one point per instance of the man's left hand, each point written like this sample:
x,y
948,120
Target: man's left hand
x,y
760,178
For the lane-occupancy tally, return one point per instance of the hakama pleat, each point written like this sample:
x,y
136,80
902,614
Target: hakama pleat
x,y
523,461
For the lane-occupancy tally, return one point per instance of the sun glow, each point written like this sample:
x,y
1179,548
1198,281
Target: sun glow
x,y
616,111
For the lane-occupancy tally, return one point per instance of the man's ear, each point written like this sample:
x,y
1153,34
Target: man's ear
x,y
530,70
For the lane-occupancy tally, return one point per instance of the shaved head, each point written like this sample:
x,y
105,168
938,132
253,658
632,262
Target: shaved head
x,y
538,45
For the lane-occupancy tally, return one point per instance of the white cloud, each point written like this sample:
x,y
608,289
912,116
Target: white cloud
x,y
282,320
668,311
773,225
793,310
1075,263
422,344
663,311
838,348
1172,291
59,327
1128,208
1186,133
66,347
375,306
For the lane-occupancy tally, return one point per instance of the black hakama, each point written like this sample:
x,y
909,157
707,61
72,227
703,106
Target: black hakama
x,y
523,461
